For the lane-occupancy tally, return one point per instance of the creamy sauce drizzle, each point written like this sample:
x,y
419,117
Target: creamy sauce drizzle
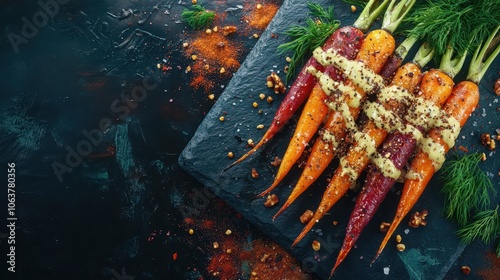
x,y
422,113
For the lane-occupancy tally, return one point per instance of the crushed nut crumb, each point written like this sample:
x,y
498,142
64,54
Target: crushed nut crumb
x,y
194,57
185,45
306,216
353,8
250,142
271,200
228,232
230,154
216,245
384,227
211,96
418,219
255,104
222,118
228,30
274,81
262,96
264,258
269,99
260,126
208,31
191,231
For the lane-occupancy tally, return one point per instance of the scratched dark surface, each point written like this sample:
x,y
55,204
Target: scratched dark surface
x,y
117,215
431,251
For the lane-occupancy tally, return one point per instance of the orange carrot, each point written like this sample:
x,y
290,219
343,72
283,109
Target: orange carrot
x,y
460,105
379,43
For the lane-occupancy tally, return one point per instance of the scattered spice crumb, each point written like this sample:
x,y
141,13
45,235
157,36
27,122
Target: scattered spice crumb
x,y
465,269
497,87
401,247
260,15
255,174
463,149
276,161
216,245
316,245
174,256
228,232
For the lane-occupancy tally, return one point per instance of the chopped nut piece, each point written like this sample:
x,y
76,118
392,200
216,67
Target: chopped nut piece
x,y
497,87
228,251
194,57
492,145
208,31
222,70
185,45
206,66
288,59
264,258
215,29
255,35
483,156
384,227
275,81
353,8
259,6
211,96
465,269
270,99
188,68
260,126
276,161
191,231
316,245
306,216
228,232
335,223
216,245
228,30
398,238
221,118
401,247
158,65
255,174
418,219
286,69
262,96
271,200
254,273
255,104
230,155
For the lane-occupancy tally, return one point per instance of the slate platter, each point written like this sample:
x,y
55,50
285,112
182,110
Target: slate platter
x,y
431,250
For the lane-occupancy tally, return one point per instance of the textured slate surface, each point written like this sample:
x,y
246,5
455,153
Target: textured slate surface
x,y
430,250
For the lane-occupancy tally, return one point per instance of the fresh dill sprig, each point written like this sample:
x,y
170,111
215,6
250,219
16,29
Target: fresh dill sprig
x,y
198,17
485,226
441,24
466,188
306,38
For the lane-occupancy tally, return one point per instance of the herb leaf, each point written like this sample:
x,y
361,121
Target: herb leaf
x,y
198,17
466,188
306,38
485,226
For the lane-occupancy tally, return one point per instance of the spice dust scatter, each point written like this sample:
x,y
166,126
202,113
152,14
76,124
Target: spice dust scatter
x,y
259,15
213,55
492,271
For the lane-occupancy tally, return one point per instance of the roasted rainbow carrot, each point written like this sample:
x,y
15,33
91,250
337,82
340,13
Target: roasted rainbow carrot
x,y
346,41
440,139
316,109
